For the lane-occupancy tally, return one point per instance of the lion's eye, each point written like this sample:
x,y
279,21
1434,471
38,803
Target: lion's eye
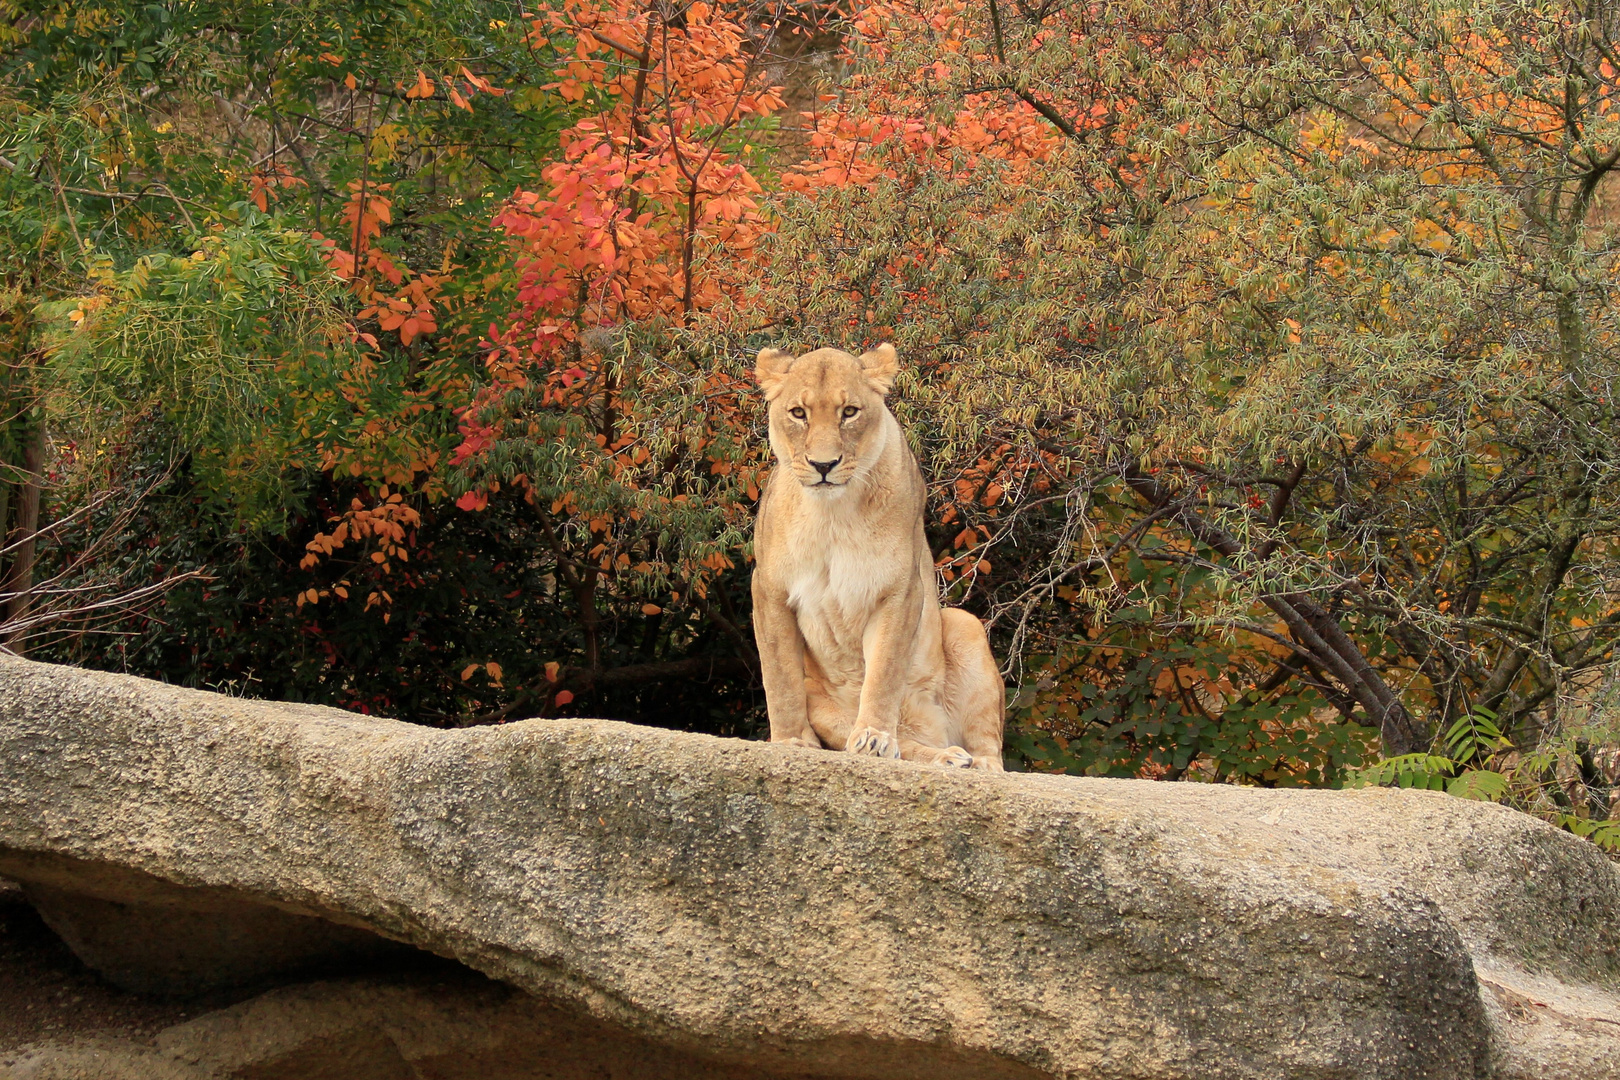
x,y
797,414
849,411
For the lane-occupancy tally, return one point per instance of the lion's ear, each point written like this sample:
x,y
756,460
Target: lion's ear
x,y
770,367
881,365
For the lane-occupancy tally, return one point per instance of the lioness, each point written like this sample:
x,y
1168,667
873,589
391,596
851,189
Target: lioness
x,y
856,652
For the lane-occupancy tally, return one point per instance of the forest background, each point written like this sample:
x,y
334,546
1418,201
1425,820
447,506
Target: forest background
x,y
394,355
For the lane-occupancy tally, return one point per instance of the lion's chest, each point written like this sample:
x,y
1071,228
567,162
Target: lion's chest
x,y
833,591
836,586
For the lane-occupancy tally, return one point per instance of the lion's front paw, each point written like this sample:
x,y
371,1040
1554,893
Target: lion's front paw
x,y
955,757
989,764
874,743
796,741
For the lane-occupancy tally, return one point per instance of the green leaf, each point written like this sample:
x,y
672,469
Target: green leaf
x,y
1481,784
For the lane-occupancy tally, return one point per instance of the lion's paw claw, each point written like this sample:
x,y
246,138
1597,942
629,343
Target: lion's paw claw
x,y
874,743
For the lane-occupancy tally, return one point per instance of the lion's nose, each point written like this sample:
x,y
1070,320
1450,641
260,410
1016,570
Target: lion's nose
x,y
825,467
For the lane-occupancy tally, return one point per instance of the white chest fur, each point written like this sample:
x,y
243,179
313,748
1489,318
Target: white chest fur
x,y
836,573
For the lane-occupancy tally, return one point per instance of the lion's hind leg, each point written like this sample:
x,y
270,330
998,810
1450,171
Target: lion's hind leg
x,y
926,731
950,756
974,695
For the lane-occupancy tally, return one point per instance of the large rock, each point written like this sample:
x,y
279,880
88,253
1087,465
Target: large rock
x,y
445,1025
791,911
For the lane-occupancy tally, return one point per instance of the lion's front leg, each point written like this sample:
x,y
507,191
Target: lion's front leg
x,y
872,742
886,647
781,664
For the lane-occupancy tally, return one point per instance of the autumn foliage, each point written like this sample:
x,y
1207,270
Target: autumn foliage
x,y
1261,359
647,217
1210,310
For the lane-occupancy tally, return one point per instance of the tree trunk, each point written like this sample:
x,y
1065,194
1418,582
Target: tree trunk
x,y
5,516
20,577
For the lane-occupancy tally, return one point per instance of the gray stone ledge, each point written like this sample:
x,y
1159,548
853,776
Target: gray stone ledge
x,y
799,911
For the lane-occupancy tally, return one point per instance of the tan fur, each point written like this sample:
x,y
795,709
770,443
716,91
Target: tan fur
x,y
856,652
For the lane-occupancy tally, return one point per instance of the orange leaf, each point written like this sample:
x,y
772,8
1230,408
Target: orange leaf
x,y
552,668
564,697
467,672
423,87
651,609
478,81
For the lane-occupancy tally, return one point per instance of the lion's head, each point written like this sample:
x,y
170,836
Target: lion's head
x,y
826,410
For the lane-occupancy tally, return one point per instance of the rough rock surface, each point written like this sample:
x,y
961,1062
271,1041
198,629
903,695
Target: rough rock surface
x,y
791,911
